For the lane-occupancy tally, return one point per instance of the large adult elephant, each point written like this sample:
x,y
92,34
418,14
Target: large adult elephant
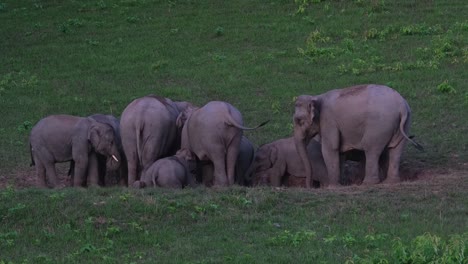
x,y
150,131
62,138
107,173
372,118
214,132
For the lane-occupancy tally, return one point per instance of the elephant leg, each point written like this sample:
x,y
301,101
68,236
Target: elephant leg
x,y
93,170
231,159
394,156
41,174
81,168
275,179
51,174
207,174
220,178
332,162
372,168
383,165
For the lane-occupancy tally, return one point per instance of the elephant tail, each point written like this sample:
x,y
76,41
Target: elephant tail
x,y
232,122
404,119
32,158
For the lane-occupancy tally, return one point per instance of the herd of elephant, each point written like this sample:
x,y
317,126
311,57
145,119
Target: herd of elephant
x,y
158,142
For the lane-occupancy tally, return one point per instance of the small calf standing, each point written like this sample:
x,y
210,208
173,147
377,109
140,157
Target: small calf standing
x,y
170,172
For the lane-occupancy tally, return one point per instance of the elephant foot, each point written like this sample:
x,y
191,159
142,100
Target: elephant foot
x,y
370,181
391,180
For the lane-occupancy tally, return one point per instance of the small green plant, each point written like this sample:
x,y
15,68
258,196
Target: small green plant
x,y
445,87
25,126
132,19
219,31
159,65
92,42
287,238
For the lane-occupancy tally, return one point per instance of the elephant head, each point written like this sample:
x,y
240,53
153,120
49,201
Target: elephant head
x,y
185,115
102,139
265,158
306,126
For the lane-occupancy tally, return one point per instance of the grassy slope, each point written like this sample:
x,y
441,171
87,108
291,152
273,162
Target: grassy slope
x,y
82,57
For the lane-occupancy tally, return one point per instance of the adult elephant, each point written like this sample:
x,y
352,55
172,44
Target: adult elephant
x,y
214,132
62,138
372,118
108,174
150,131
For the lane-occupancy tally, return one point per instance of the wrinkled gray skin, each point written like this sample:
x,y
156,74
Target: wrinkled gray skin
x,y
150,130
213,132
62,138
169,172
108,174
244,161
371,118
276,161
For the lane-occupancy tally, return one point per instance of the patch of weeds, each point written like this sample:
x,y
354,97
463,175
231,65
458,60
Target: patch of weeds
x,y
24,127
16,208
17,80
314,49
101,5
219,31
445,87
420,29
129,2
288,238
132,19
92,42
67,26
159,65
125,197
57,196
3,7
8,239
218,57
203,210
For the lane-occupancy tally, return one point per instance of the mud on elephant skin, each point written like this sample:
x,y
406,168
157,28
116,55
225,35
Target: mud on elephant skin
x,y
150,130
169,172
372,118
62,138
214,132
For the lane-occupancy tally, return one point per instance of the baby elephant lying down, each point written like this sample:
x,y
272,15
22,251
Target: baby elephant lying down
x,y
170,172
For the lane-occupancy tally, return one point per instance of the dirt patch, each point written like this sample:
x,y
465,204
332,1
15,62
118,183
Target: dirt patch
x,y
25,177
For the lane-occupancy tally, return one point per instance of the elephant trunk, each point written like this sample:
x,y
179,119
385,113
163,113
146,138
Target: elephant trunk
x,y
301,145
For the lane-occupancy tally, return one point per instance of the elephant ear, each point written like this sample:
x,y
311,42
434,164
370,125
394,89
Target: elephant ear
x,y
181,120
314,110
94,135
273,155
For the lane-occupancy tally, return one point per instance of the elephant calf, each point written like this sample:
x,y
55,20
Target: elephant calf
x,y
170,172
278,163
277,160
62,138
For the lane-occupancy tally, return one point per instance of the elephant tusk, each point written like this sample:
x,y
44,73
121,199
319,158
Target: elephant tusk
x,y
113,156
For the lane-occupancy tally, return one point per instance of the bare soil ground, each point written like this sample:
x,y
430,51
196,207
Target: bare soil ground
x,y
25,177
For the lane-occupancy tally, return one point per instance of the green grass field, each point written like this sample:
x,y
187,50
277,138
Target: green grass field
x,y
83,57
